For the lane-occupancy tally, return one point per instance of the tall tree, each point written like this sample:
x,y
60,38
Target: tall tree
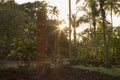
x,y
104,31
54,12
11,22
93,8
93,13
41,39
70,51
112,6
74,22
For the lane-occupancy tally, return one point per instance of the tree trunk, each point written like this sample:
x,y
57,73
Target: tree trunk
x,y
41,43
70,53
105,45
111,15
104,32
95,38
74,34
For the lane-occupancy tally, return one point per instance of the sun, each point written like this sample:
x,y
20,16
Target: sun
x,y
61,27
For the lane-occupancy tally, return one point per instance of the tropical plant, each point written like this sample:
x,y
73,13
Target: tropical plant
x,y
93,13
112,6
54,12
104,32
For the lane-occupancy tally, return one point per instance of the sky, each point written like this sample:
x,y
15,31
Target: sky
x,y
62,6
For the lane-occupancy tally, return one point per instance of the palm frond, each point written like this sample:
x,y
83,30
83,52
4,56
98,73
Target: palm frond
x,y
83,19
77,1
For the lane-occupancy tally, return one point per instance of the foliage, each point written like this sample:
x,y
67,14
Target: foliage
x,y
102,34
85,48
17,31
109,71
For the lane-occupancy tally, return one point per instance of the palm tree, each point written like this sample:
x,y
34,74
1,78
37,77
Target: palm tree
x,y
70,54
112,5
104,31
74,25
92,6
74,22
54,12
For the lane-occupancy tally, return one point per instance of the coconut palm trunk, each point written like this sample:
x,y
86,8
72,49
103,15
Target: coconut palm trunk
x,y
75,35
95,37
111,17
74,25
93,9
104,32
70,53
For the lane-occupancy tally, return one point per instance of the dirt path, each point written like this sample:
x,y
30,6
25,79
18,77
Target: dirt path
x,y
64,73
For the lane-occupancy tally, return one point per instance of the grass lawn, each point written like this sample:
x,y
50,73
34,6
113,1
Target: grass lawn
x,y
109,71
14,64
